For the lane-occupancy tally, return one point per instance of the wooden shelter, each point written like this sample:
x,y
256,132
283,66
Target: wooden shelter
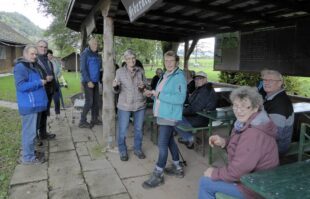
x,y
185,20
11,47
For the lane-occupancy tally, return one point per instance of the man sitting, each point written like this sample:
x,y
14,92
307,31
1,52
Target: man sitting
x,y
279,108
203,98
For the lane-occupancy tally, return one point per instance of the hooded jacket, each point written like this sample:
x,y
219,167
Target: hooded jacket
x,y
252,149
90,63
30,93
203,98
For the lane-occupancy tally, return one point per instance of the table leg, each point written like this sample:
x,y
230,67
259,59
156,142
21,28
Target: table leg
x,y
210,148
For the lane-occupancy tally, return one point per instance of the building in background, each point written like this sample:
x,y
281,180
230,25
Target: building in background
x,y
11,47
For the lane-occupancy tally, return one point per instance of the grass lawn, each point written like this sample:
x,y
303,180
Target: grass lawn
x,y
9,147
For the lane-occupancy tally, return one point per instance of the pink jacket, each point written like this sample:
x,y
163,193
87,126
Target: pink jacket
x,y
254,148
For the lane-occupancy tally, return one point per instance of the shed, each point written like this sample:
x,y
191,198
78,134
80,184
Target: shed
x,y
70,62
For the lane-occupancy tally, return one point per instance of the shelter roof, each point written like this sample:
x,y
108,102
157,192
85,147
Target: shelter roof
x,y
180,20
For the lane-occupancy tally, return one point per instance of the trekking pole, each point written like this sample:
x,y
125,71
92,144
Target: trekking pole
x,y
183,162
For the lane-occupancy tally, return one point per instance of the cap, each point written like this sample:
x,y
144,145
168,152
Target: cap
x,y
201,74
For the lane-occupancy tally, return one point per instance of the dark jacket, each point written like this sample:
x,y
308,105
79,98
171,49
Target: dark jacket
x,y
203,98
30,93
154,82
46,68
90,63
251,149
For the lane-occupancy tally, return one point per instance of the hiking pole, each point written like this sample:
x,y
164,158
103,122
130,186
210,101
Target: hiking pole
x,y
183,162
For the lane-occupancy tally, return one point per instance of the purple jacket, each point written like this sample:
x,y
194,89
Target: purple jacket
x,y
252,149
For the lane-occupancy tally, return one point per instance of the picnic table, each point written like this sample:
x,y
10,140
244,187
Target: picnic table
x,y
224,115
287,181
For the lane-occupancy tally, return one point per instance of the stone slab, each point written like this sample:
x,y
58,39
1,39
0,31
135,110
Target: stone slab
x,y
59,145
29,173
95,150
82,134
89,165
81,149
35,190
104,183
118,196
77,192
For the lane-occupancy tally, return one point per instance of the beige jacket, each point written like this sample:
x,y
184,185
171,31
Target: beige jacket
x,y
130,98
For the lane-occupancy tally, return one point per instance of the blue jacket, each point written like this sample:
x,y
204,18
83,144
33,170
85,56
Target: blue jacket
x,y
31,95
172,96
90,63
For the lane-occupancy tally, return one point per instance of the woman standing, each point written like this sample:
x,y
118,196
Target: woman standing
x,y
169,97
130,83
252,147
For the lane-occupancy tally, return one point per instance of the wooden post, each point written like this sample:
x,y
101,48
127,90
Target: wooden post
x,y
108,107
185,56
83,39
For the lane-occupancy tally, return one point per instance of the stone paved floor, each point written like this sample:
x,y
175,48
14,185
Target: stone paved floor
x,y
78,168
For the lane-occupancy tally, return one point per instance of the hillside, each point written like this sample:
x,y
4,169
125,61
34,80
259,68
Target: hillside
x,y
22,25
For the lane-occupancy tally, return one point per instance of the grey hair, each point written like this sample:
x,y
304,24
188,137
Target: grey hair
x,y
28,47
92,39
42,41
129,52
247,92
271,72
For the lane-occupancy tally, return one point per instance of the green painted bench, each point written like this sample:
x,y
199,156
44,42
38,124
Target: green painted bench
x,y
219,195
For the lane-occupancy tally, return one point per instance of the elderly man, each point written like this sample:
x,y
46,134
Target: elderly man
x,y
90,72
50,87
31,99
203,98
279,107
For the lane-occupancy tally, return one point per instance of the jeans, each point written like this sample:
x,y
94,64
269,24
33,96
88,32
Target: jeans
x,y
186,135
208,188
29,126
91,102
123,123
165,141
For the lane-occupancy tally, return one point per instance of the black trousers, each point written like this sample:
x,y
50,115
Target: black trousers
x,y
42,118
91,102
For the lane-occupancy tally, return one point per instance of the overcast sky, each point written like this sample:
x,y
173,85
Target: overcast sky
x,y
28,8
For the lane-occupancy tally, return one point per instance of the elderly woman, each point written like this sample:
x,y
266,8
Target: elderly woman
x,y
251,147
169,97
130,83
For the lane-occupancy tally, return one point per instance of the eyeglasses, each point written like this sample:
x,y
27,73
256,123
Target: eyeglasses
x,y
169,61
241,108
199,78
271,80
42,47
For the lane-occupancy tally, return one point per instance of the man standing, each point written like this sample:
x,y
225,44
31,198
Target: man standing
x,y
279,107
90,72
202,98
47,70
31,99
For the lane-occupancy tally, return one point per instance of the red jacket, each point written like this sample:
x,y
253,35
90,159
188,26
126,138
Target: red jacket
x,y
254,148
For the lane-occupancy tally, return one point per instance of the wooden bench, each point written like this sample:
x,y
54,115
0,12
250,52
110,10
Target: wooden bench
x,y
299,148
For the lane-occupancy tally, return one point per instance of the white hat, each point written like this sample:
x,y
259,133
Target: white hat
x,y
201,74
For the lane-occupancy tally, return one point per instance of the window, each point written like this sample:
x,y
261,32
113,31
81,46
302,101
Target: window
x,y
2,52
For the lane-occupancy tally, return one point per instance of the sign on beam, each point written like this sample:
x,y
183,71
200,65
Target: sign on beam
x,y
135,8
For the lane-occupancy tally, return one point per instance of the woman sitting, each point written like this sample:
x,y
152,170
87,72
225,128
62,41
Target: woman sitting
x,y
251,147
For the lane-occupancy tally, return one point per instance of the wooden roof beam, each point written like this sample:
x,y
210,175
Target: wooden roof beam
x,y
301,6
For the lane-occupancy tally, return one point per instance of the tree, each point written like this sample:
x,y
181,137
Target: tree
x,y
64,39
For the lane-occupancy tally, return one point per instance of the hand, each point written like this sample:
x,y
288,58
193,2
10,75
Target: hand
x,y
216,140
208,172
49,78
155,93
148,93
141,87
43,82
116,83
90,85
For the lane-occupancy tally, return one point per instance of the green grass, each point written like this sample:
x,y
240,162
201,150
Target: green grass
x,y
9,147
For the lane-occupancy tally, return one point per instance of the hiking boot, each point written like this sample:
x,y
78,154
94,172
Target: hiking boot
x,y
173,170
48,136
96,122
140,154
85,125
188,144
156,179
124,157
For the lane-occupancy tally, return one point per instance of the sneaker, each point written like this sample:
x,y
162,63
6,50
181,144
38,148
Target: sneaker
x,y
182,141
140,154
172,170
35,161
85,125
96,122
124,157
188,144
156,179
